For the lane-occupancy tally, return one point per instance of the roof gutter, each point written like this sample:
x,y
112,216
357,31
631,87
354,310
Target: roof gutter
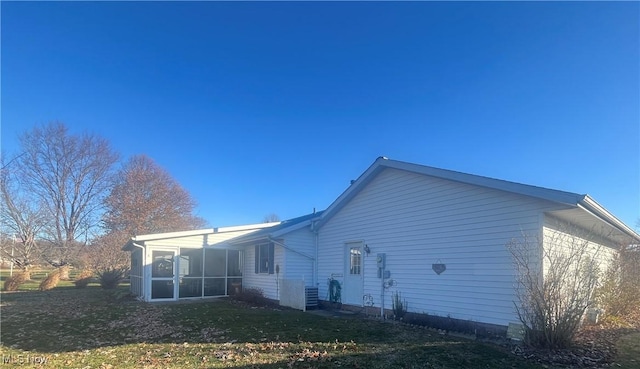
x,y
592,206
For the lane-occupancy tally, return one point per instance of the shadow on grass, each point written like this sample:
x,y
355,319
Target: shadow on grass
x,y
66,320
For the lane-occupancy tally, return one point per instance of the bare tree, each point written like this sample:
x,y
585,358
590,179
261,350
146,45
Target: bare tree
x,y
106,259
21,219
146,199
70,175
271,218
556,279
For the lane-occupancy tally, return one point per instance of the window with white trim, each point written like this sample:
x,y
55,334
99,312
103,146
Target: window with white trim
x,y
264,258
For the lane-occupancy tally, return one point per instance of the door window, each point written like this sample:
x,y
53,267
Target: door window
x,y
355,261
162,264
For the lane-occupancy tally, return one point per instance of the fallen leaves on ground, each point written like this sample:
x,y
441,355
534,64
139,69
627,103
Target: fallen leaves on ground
x,y
595,346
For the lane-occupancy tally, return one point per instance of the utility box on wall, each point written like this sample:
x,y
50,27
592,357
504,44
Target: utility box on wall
x,y
381,259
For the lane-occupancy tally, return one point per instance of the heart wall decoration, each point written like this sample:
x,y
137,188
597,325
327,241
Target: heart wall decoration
x,y
439,268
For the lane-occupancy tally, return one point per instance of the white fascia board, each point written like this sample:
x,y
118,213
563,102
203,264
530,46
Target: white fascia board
x,y
199,232
159,236
245,227
592,206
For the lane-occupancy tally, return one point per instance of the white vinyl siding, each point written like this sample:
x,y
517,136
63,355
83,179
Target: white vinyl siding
x,y
268,283
419,220
297,266
292,265
562,237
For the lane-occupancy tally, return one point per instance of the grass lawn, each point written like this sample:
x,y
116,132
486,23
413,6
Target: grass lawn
x,y
90,328
629,352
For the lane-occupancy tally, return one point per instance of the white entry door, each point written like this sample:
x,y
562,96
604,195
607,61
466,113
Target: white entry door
x,y
353,275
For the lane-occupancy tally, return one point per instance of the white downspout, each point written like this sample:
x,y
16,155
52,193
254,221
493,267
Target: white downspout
x,y
315,261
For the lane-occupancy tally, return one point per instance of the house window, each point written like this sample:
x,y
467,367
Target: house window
x,y
264,258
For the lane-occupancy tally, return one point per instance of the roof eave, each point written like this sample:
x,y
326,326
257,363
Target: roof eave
x,y
159,236
294,227
560,197
592,206
131,245
269,236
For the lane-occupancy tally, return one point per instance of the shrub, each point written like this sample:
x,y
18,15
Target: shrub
x,y
64,272
110,278
552,301
253,296
399,305
619,293
13,283
83,279
51,281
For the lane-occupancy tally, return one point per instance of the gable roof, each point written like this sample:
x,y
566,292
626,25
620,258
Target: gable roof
x,y
584,203
279,230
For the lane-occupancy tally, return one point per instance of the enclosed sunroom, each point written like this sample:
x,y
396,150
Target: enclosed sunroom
x,y
188,265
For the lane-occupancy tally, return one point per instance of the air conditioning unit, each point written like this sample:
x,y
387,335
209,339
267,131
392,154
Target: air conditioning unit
x,y
311,297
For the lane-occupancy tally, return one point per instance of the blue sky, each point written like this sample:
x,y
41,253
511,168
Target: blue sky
x,y
273,107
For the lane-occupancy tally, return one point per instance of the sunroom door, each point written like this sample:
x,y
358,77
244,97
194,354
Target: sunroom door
x,y
163,274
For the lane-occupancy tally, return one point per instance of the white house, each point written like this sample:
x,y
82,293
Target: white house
x,y
442,234
424,218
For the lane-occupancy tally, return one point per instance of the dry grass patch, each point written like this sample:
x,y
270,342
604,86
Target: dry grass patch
x,y
14,282
51,281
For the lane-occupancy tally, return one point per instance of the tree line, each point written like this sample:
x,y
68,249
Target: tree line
x,y
69,200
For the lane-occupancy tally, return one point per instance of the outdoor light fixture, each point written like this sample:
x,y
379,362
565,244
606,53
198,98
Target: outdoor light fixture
x,y
367,249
